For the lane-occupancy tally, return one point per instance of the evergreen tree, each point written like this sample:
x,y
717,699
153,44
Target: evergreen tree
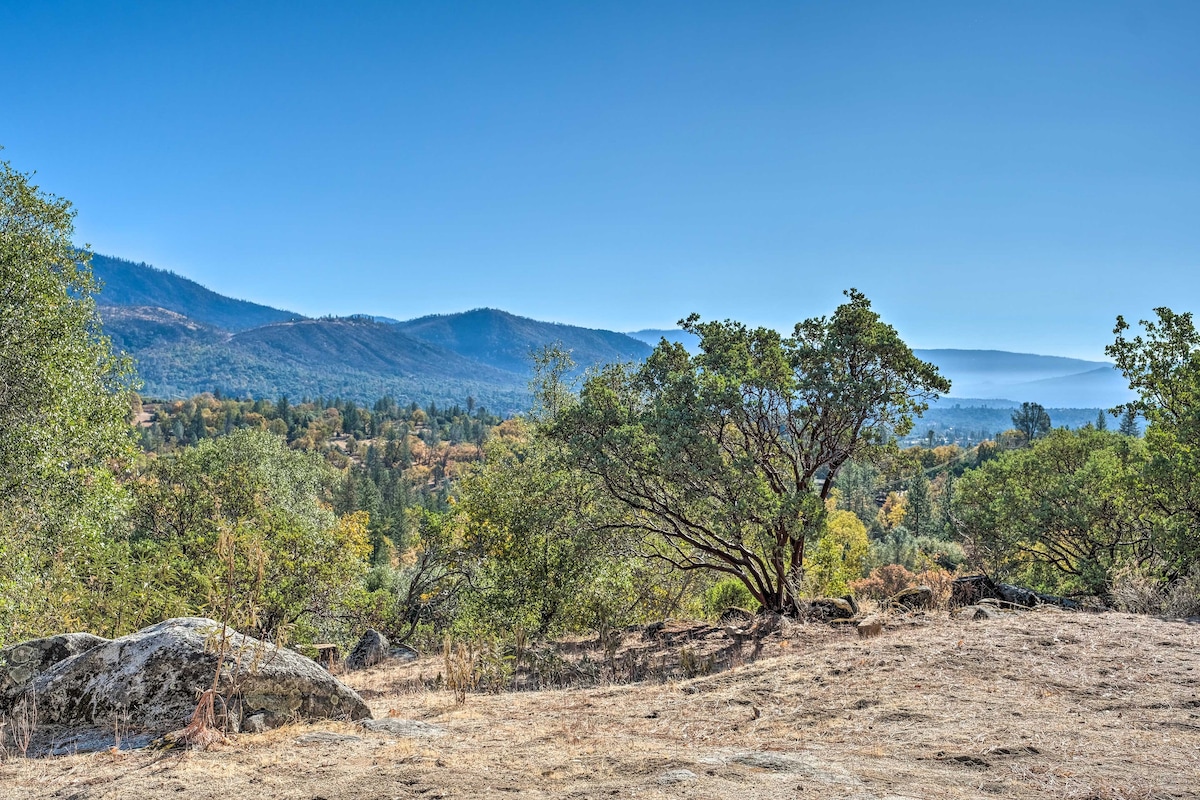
x,y
919,514
1129,425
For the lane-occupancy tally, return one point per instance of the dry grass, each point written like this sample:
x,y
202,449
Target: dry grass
x,y
1041,704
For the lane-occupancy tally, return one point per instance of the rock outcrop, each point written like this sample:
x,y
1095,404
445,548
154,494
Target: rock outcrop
x,y
21,663
148,683
913,597
370,650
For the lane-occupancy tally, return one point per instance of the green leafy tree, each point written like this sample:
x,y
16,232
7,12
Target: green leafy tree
x,y
839,555
244,510
725,459
1061,514
1163,367
63,407
918,515
1031,420
539,535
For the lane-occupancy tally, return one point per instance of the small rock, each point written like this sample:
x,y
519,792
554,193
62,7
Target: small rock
x,y
370,650
1018,595
913,597
678,776
871,626
403,652
407,728
831,608
327,738
983,612
255,723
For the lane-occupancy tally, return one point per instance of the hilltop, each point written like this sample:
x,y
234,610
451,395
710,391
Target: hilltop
x,y
126,283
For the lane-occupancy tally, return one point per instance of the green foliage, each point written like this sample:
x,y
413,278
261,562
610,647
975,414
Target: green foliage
x,y
539,535
245,509
1062,513
1163,367
1031,420
839,555
728,456
725,594
900,546
62,418
918,516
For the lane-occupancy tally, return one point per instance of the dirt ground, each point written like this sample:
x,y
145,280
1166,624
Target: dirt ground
x,y
1044,703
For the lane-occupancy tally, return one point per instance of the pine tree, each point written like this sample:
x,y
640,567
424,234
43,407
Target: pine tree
x,y
919,517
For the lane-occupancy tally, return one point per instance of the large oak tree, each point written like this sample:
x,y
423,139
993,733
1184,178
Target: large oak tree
x,y
725,458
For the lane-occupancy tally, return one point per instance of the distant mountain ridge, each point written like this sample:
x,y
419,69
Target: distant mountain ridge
x,y
188,339
507,341
126,283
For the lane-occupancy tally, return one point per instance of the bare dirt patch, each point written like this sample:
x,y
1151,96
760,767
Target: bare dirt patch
x,y
1044,703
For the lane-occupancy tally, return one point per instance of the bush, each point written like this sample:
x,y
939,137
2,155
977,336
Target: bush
x,y
941,581
883,582
1183,598
727,593
1136,591
1141,590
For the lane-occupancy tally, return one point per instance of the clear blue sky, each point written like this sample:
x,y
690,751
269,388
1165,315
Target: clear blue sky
x,y
992,174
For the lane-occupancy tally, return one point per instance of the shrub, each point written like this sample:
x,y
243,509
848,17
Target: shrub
x,y
1183,597
941,581
1142,590
727,593
883,582
1136,591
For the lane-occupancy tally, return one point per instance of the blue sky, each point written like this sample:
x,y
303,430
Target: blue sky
x,y
995,175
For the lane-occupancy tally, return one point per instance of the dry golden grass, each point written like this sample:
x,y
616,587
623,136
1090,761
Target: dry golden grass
x,y
1041,704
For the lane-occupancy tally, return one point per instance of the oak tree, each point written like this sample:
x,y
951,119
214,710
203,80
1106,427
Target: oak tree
x,y
725,459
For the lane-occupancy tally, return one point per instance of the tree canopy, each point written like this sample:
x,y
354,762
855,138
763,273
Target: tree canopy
x,y
63,407
1032,420
726,458
1163,367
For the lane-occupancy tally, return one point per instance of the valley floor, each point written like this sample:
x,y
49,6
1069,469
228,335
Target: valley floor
x,y
1042,704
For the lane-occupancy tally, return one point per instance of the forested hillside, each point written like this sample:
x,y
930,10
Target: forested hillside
x,y
508,342
125,283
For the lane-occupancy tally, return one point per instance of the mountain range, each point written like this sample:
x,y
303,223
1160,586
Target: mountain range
x,y
188,339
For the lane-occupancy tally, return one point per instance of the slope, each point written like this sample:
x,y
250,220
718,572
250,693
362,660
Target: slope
x,y
507,342
128,284
356,359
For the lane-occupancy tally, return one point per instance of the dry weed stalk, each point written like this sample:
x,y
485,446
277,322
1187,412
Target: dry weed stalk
x,y
21,725
459,661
